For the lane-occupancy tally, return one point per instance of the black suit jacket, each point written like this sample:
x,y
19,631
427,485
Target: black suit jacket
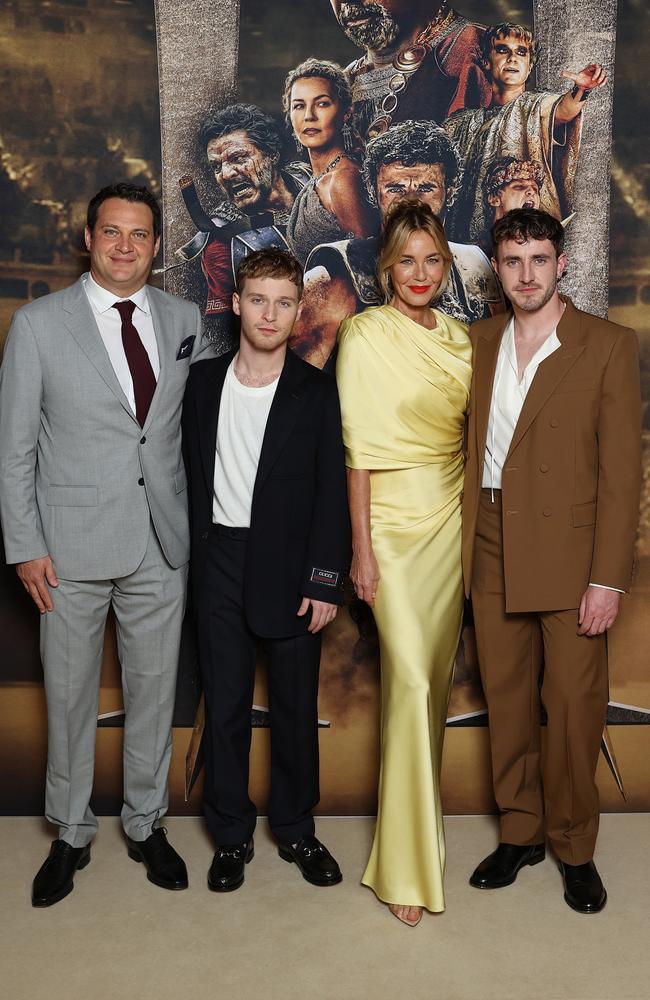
x,y
299,540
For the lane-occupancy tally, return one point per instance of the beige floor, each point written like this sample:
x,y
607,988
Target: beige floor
x,y
118,936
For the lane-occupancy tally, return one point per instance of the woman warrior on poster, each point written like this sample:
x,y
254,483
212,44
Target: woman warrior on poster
x,y
404,372
334,204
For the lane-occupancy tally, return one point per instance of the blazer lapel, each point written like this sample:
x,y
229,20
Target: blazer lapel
x,y
79,319
164,329
208,415
284,412
551,371
485,363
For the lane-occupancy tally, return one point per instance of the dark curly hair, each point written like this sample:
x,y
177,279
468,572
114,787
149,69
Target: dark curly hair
x,y
260,128
410,143
523,224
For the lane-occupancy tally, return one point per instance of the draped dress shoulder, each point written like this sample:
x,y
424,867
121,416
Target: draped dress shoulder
x,y
404,392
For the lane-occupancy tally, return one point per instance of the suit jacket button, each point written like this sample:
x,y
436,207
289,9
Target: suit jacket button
x,y
543,467
142,440
140,481
554,422
547,511
204,536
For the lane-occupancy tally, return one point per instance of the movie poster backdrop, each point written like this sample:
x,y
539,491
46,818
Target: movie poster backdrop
x,y
472,124
240,170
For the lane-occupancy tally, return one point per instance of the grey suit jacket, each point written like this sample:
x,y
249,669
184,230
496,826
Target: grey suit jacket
x,y
79,478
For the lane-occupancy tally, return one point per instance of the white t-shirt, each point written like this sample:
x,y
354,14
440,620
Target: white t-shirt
x,y
243,414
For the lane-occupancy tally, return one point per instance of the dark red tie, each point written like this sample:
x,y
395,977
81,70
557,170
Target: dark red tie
x,y
144,380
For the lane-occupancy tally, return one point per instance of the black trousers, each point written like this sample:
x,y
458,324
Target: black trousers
x,y
227,649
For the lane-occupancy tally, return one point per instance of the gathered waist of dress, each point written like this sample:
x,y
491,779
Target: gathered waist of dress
x,y
417,492
402,457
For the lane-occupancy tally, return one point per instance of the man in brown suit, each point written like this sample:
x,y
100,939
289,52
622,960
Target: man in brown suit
x,y
549,521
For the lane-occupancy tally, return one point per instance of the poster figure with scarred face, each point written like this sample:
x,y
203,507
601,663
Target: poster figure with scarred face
x,y
255,186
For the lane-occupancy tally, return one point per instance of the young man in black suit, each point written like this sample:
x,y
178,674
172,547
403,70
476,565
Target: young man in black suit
x,y
270,541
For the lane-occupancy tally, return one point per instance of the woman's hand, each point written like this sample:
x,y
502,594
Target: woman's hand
x,y
364,573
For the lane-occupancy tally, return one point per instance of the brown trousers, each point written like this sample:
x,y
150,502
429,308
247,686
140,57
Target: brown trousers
x,y
512,648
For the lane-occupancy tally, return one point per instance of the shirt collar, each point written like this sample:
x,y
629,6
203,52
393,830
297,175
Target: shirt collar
x,y
508,351
103,300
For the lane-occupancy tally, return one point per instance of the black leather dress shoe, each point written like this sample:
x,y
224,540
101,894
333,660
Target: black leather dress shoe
x,y
54,878
314,860
227,869
164,866
500,868
583,888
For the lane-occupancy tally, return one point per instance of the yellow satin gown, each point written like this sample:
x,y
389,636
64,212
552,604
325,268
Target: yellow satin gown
x,y
404,392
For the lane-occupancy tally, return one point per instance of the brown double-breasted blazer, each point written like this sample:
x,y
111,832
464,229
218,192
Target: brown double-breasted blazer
x,y
571,479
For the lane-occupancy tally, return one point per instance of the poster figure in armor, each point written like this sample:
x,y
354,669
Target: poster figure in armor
x,y
256,187
410,160
528,125
421,59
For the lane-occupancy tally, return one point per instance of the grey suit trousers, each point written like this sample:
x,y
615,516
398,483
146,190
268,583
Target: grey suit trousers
x,y
148,605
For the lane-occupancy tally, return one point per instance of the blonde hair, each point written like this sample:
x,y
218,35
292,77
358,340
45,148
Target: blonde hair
x,y
403,218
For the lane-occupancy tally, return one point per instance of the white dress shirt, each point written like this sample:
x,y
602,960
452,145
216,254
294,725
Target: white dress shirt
x,y
243,413
508,396
110,329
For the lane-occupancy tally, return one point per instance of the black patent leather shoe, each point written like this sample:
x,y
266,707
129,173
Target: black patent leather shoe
x,y
313,859
55,877
228,864
583,888
501,867
164,866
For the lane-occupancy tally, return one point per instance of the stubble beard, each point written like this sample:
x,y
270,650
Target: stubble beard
x,y
531,305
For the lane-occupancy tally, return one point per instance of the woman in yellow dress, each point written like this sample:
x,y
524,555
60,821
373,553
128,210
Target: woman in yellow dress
x,y
403,372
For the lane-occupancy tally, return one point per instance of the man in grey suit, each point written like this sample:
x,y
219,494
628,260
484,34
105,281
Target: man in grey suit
x,y
94,515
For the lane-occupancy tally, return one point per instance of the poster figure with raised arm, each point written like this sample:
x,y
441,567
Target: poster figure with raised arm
x,y
421,59
411,160
528,125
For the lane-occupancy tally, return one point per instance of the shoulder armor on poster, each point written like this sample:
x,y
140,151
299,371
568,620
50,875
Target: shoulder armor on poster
x,y
299,173
475,271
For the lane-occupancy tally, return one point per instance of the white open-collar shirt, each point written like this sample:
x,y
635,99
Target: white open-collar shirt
x,y
508,396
